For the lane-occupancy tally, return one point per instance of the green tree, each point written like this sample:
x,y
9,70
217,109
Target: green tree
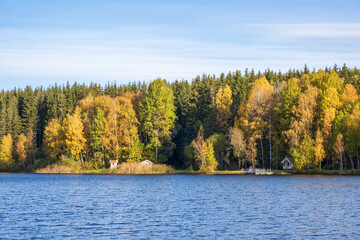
x,y
204,153
210,163
304,154
28,110
303,122
157,114
97,130
351,127
219,143
288,98
96,133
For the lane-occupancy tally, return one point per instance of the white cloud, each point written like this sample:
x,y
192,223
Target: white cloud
x,y
313,30
107,55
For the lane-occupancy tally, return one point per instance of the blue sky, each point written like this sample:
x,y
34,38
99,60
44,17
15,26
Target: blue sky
x,y
43,42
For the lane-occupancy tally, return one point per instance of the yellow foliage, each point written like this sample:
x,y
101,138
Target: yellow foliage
x,y
258,106
121,127
304,113
21,149
53,138
74,134
251,152
349,95
339,149
6,152
328,121
223,104
319,148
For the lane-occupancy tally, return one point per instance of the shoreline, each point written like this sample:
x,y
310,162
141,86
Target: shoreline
x,y
186,172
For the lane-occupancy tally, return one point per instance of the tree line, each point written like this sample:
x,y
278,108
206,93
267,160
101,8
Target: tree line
x,y
236,120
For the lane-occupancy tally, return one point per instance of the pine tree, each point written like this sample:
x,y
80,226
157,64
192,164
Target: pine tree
x,y
28,110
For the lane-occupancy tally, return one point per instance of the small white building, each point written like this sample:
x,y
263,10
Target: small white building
x,y
113,163
287,164
146,162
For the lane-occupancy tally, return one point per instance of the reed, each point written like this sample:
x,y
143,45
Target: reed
x,y
138,168
123,168
59,168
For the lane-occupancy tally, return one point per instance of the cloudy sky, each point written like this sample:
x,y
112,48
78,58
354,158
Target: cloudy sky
x,y
43,42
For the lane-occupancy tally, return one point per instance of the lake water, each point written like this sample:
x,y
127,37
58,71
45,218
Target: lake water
x,y
178,207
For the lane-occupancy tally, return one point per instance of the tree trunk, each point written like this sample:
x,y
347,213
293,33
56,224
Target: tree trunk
x,y
270,151
270,139
156,151
327,163
341,162
262,153
252,158
357,157
82,159
352,163
103,160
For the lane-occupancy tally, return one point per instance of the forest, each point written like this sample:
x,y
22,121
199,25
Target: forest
x,y
232,121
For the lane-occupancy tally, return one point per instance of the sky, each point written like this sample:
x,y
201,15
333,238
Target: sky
x,y
45,42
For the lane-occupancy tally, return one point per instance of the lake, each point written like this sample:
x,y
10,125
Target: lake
x,y
178,207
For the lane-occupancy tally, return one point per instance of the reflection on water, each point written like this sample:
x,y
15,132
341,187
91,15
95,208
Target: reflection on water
x,y
178,207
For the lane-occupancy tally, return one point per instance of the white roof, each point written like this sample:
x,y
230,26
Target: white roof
x,y
285,159
146,162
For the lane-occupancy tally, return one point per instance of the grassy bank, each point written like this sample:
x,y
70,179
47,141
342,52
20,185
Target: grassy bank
x,y
137,168
325,172
276,172
123,168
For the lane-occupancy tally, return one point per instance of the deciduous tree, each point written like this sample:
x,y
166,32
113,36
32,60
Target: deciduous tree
x,y
6,152
73,129
339,149
157,114
223,102
237,142
319,148
54,139
304,154
21,150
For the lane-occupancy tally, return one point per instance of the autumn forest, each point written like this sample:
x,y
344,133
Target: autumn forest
x,y
227,122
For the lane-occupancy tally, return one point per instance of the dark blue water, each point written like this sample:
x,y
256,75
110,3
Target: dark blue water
x,y
178,207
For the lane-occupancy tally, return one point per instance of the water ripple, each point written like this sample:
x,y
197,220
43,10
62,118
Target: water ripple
x,y
178,207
